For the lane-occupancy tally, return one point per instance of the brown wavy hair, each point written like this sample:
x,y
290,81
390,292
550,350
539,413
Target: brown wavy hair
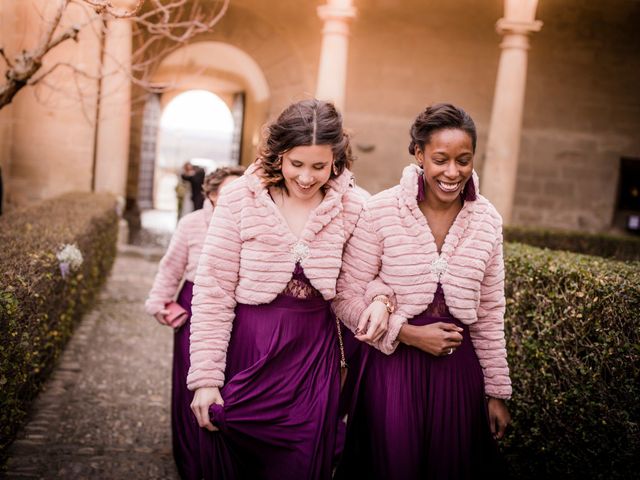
x,y
213,180
304,123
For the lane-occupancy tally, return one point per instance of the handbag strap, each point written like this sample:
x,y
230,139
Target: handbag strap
x,y
343,360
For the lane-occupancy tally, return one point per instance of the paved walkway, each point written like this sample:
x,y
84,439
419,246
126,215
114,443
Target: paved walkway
x,y
104,413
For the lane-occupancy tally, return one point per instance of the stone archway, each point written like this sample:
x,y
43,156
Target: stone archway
x,y
220,68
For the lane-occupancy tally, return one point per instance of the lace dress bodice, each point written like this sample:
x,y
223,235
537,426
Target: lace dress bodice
x,y
438,307
299,285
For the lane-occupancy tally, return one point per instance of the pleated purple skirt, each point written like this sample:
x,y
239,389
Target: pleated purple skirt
x,y
281,394
185,432
417,416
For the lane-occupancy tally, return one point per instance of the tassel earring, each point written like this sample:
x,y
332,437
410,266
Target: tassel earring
x,y
421,187
468,192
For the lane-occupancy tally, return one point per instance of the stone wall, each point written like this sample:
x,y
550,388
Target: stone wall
x,y
51,138
582,113
582,106
406,55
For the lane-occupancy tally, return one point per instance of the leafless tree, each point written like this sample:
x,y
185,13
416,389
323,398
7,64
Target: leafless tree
x,y
159,27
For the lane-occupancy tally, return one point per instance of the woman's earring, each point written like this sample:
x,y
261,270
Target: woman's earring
x,y
335,170
421,188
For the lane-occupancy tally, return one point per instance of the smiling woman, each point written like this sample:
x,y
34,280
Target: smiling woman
x,y
265,363
432,407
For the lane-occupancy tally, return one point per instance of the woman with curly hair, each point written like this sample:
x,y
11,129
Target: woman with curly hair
x,y
265,356
430,400
179,263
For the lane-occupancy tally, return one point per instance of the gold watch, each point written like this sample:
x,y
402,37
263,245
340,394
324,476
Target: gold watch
x,y
385,300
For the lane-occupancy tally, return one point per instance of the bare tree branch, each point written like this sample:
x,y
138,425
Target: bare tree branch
x,y
106,7
6,59
160,29
27,63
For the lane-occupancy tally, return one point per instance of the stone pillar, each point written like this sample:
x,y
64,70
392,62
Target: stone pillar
x,y
112,145
332,71
501,164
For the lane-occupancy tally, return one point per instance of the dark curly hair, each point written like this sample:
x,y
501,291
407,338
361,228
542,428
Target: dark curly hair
x,y
436,117
304,123
213,180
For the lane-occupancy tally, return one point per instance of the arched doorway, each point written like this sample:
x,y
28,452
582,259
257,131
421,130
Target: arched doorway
x,y
221,69
230,73
195,126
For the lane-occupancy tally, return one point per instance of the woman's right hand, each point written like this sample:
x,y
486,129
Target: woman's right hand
x,y
202,400
440,338
161,317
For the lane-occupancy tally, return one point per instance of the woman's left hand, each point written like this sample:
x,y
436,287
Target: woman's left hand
x,y
499,417
373,323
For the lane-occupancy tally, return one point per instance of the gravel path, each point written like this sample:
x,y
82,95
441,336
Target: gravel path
x,y
104,413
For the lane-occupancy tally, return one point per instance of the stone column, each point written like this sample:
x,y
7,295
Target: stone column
x,y
115,110
501,164
332,71
112,144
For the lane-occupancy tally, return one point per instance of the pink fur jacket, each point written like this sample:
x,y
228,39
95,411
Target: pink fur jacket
x,y
249,256
181,258
393,241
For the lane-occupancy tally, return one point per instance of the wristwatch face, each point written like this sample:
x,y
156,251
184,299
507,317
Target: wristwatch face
x,y
385,301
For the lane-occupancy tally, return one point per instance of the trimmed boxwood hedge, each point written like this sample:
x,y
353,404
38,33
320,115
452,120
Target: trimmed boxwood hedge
x,y
573,339
38,307
600,244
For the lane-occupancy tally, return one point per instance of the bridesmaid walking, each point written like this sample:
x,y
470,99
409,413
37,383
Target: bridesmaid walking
x,y
178,263
432,405
265,356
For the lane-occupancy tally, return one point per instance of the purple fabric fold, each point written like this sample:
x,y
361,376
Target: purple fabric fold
x,y
185,431
280,408
414,415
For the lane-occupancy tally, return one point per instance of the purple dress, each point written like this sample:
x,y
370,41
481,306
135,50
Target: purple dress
x,y
185,431
281,392
417,416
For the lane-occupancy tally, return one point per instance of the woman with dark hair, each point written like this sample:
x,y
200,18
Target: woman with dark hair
x,y
430,399
179,263
265,357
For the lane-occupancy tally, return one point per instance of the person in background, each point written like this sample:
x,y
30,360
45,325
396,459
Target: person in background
x,y
179,263
194,175
265,355
431,402
181,191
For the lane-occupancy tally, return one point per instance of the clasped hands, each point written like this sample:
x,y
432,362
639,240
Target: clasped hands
x,y
440,338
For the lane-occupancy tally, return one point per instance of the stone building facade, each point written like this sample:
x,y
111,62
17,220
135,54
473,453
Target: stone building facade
x,y
554,121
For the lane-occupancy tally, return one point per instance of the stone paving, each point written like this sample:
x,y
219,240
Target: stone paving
x,y
104,413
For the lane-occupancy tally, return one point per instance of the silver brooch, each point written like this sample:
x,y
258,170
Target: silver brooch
x,y
439,266
300,251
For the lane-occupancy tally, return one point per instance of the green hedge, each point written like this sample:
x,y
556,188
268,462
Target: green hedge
x,y
600,244
573,333
38,307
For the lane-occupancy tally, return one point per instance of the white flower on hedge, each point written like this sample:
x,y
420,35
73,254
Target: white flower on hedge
x,y
70,258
